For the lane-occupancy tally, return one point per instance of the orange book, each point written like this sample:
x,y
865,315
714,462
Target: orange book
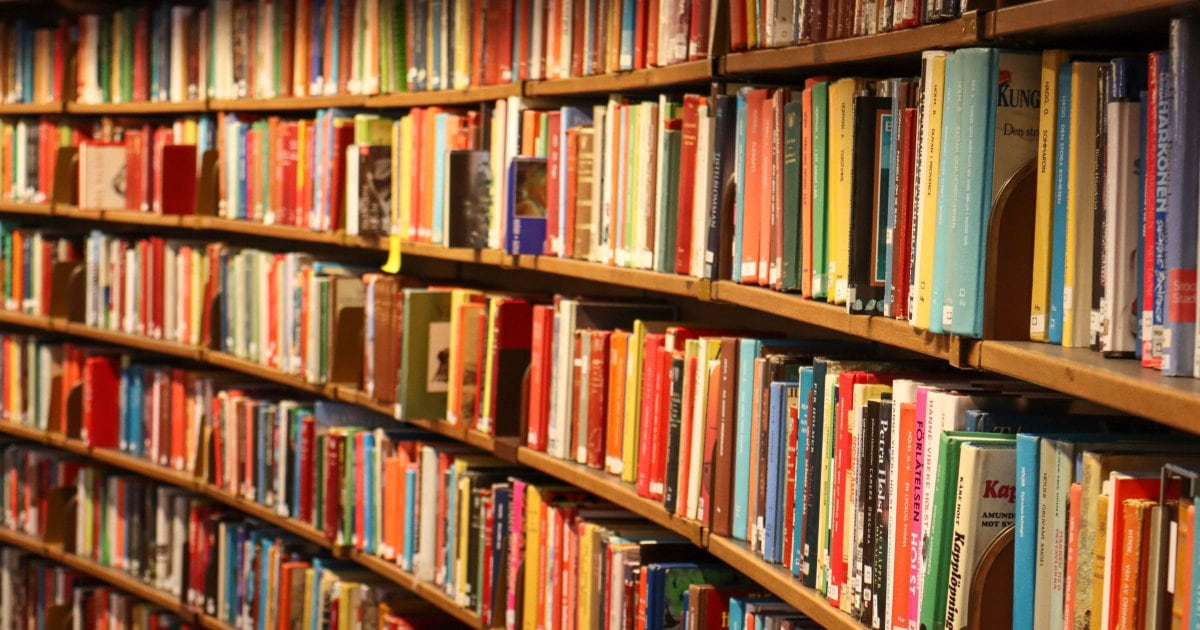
x,y
17,290
428,166
751,224
179,427
1183,566
1128,605
618,357
578,412
1073,515
529,126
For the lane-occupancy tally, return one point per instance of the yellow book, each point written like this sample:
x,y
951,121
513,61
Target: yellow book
x,y
486,413
346,608
934,86
307,616
458,297
1081,206
460,545
841,143
1039,306
751,24
708,352
533,545
584,604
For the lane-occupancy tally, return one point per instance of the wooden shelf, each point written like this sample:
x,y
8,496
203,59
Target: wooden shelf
x,y
149,107
613,489
425,590
30,109
112,577
896,45
779,580
1075,18
27,209
673,76
668,283
468,96
286,103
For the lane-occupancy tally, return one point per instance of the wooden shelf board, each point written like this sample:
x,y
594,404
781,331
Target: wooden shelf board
x,y
250,368
455,254
613,489
112,577
780,581
668,283
135,217
29,209
468,96
139,342
910,42
1051,17
30,109
676,75
1122,384
254,228
166,107
286,103
429,592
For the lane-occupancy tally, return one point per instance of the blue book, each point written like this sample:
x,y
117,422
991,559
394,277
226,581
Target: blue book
x,y
999,136
801,437
947,186
410,506
777,419
369,499
1179,334
1025,538
501,506
526,206
628,24
1058,233
724,111
739,177
439,179
748,350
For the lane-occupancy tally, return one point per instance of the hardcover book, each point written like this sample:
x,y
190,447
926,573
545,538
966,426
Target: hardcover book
x,y
468,198
526,206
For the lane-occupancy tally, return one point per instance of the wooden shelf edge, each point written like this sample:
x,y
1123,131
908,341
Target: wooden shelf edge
x,y
429,592
30,109
150,107
27,209
1040,16
110,576
286,103
675,75
613,489
963,31
780,582
467,96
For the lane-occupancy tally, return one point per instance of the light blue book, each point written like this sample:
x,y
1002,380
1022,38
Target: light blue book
x,y
748,350
797,552
1058,230
451,522
776,433
437,10
439,179
740,188
368,477
947,186
737,609
335,45
1025,541
263,577
628,24
410,523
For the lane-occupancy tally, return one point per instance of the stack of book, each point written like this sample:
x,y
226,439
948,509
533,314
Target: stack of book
x,y
33,61
27,160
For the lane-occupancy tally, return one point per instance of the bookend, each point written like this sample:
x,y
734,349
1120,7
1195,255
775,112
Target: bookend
x,y
512,367
58,617
66,177
60,519
74,413
67,291
207,186
1008,270
216,331
990,606
346,347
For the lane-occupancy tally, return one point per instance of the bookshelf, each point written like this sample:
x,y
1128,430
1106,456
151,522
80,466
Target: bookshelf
x,y
1121,385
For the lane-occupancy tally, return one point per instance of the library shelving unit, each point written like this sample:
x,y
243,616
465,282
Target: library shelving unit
x,y
1121,385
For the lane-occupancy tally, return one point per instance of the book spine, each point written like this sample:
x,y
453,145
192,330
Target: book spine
x,y
1180,327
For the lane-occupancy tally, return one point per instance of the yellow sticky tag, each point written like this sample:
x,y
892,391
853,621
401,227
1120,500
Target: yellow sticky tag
x,y
393,261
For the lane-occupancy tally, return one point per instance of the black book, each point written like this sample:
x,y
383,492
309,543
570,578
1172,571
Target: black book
x,y
374,189
870,172
674,422
881,614
468,198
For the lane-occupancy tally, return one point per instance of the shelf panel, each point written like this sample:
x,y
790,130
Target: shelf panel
x,y
30,109
28,209
778,580
676,75
895,45
613,489
669,283
1079,17
468,96
429,592
112,577
253,228
151,107
285,103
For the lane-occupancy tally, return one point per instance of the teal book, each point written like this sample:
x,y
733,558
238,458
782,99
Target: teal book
x,y
439,179
748,350
793,234
740,186
999,136
1058,230
820,198
947,186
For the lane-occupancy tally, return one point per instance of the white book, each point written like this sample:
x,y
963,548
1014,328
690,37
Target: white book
x,y
985,508
558,436
427,521
580,412
1122,179
605,212
601,115
703,181
645,179
699,404
537,53
352,190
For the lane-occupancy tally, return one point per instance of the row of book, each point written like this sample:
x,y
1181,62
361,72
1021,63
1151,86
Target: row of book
x,y
38,593
32,61
499,539
144,165
775,24
27,161
235,569
228,49
1117,204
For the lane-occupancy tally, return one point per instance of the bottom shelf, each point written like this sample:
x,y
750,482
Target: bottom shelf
x,y
111,577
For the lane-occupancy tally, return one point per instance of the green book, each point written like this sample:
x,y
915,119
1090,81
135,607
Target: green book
x,y
346,535
399,55
937,574
672,142
820,167
424,359
793,233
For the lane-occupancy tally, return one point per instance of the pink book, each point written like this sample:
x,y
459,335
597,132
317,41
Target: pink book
x,y
516,552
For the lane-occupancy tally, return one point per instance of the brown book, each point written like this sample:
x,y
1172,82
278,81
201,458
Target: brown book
x,y
347,298
722,509
582,337
585,164
386,346
711,422
1098,556
597,386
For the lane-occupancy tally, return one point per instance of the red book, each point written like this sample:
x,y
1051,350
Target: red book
x,y
687,182
540,360
523,21
141,56
498,57
101,405
647,414
904,218
157,298
1069,585
639,34
343,137
698,41
1150,358
177,179
553,244
308,460
651,36
578,36
752,208
578,415
488,505
134,147
789,486
661,427
335,453
179,417
597,388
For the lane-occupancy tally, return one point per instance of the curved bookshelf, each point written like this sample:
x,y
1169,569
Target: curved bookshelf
x,y
30,109
1076,18
465,96
672,76
112,577
138,108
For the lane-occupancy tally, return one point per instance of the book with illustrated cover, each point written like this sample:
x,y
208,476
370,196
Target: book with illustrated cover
x,y
468,198
526,206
